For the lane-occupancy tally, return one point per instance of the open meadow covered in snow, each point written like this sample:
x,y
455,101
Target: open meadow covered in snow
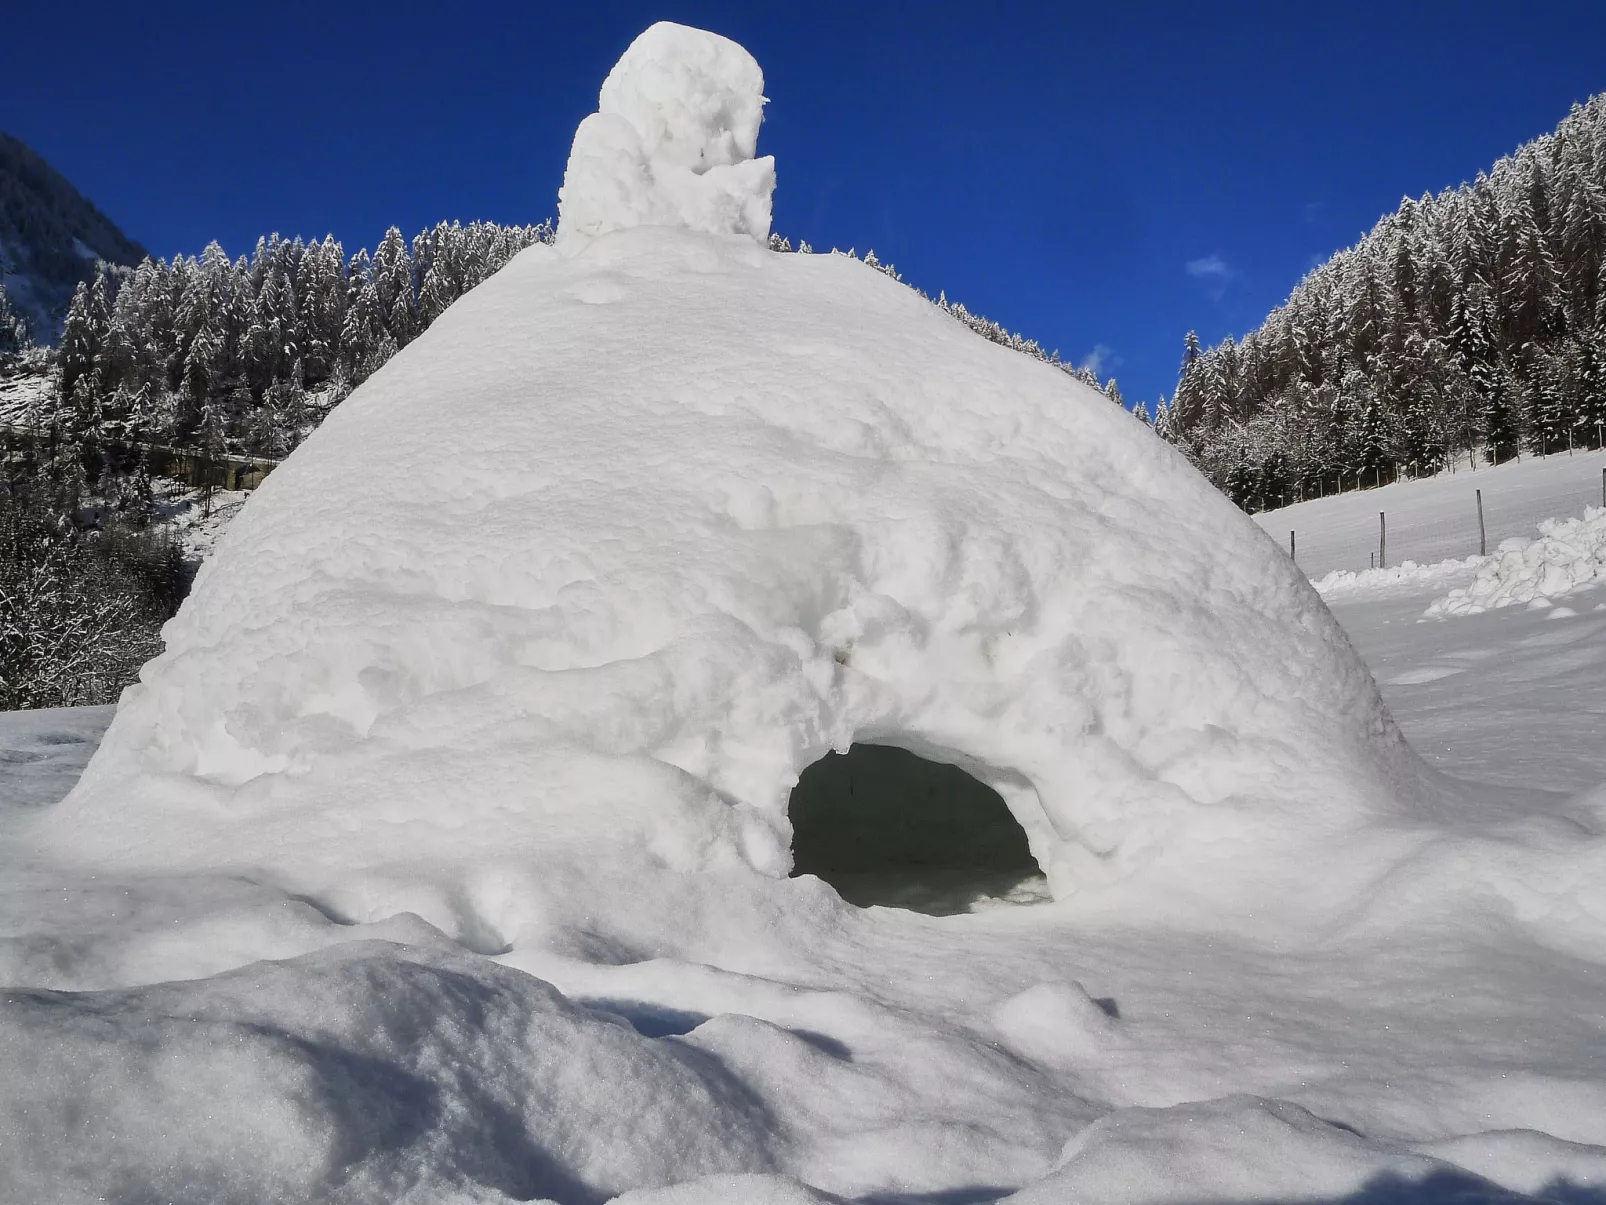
x,y
474,837
1435,519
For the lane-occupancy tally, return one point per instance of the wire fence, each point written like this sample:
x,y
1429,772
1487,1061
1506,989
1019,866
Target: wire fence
x,y
1463,518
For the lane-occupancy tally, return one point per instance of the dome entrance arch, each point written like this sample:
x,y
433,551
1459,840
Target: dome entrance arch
x,y
885,826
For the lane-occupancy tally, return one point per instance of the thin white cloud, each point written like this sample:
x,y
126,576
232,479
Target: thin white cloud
x,y
1101,358
1214,271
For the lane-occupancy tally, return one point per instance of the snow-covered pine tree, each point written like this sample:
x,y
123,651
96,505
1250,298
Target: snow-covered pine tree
x,y
14,334
1502,406
392,275
80,342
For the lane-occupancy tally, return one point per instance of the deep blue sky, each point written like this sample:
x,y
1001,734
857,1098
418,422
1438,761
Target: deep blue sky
x,y
1056,167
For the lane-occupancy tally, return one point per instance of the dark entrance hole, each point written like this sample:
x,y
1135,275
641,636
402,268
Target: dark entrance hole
x,y
884,826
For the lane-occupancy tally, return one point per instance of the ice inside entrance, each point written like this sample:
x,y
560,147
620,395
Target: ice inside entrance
x,y
884,826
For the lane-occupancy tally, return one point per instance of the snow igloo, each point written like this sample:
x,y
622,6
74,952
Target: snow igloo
x,y
537,635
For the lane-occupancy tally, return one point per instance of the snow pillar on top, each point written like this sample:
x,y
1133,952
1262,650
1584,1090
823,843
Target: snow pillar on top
x,y
672,143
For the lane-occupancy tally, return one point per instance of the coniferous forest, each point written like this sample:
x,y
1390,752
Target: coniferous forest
x,y
1467,324
245,355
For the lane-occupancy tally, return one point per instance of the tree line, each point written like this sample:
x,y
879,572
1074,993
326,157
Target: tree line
x,y
1468,324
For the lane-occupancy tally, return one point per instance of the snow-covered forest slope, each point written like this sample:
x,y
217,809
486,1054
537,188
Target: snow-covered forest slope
x,y
1468,322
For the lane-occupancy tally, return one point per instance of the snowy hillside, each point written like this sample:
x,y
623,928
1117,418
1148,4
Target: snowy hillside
x,y
1469,319
451,850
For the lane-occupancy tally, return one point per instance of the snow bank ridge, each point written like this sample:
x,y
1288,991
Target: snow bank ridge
x,y
672,143
1352,583
1568,554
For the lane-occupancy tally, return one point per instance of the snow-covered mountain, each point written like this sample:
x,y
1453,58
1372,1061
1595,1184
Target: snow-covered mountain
x,y
51,237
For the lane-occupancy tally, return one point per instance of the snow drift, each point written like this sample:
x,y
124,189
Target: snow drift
x,y
1343,584
363,1072
1568,555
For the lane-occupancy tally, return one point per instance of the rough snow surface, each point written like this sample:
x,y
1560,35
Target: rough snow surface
x,y
400,1073
672,143
693,514
443,854
1407,576
1568,554
1235,1149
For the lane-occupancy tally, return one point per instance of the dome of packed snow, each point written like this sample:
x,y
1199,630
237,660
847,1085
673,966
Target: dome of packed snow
x,y
548,619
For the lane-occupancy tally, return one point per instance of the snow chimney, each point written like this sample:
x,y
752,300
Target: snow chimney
x,y
672,143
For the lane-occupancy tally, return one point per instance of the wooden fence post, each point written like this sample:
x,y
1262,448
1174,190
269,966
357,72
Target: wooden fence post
x,y
1291,555
1483,536
1382,540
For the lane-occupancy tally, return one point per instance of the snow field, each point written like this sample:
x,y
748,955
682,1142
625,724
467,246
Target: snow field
x,y
443,854
1567,555
1435,519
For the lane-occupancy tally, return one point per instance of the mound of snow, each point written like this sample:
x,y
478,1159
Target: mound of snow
x,y
1568,554
1526,1161
1408,575
672,143
534,636
363,1072
664,522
